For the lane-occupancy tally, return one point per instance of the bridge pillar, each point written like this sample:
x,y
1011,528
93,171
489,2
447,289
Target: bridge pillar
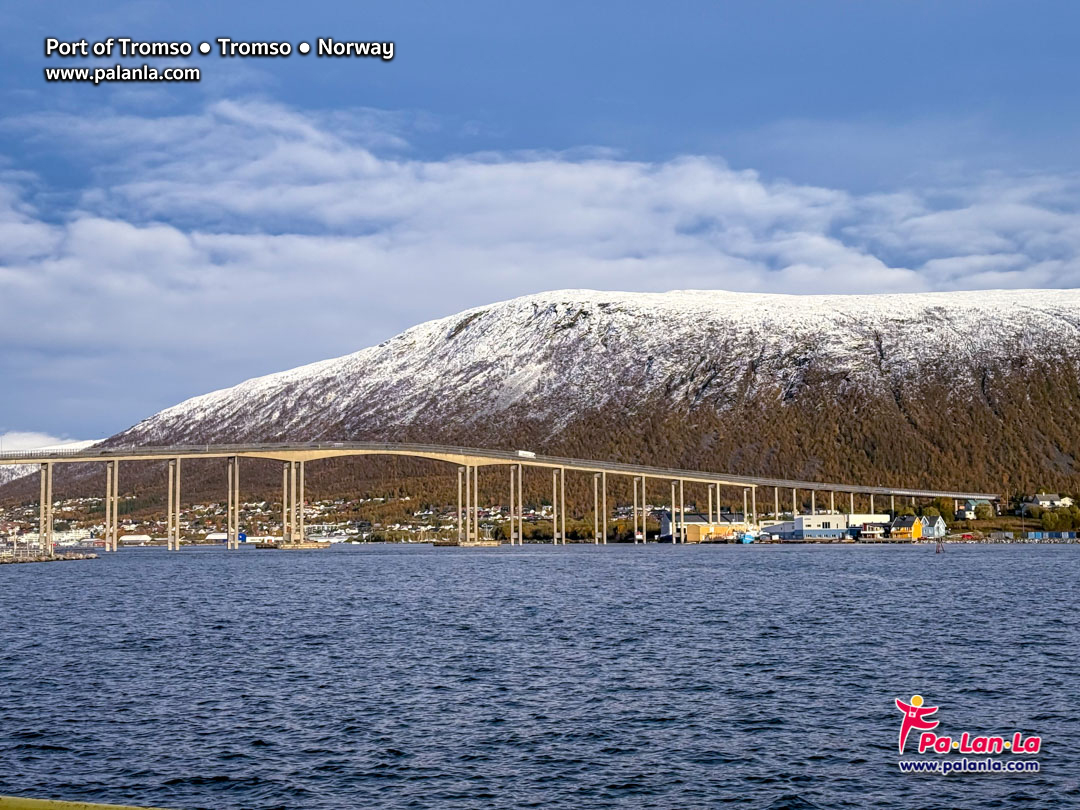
x,y
521,505
644,514
682,513
116,506
710,521
745,507
108,504
555,507
562,503
232,531
753,506
176,507
832,503
460,489
172,542
872,503
634,481
511,515
776,502
112,505
302,502
794,504
230,475
674,519
50,548
294,513
596,508
468,502
603,505
813,502
476,501
892,505
292,520
45,512
285,502
43,509
171,465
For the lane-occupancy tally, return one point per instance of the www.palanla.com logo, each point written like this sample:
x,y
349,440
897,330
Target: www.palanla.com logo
x,y
915,715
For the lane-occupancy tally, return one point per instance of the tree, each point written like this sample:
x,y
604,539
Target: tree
x,y
944,507
1050,522
1074,513
983,512
1065,520
906,511
931,511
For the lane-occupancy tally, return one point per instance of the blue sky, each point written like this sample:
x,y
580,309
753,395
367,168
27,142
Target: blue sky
x,y
165,240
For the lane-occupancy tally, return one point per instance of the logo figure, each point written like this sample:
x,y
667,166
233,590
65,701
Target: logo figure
x,y
915,715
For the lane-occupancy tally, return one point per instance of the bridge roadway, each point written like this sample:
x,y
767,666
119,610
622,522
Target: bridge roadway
x,y
294,456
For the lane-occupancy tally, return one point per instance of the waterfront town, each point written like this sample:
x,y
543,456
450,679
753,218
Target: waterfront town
x,y
79,524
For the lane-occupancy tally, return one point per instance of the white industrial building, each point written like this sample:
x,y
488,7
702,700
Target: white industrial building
x,y
834,526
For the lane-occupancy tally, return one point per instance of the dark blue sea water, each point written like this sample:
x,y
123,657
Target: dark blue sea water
x,y
572,677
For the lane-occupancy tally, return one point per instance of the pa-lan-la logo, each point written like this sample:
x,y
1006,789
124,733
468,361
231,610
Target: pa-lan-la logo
x,y
916,716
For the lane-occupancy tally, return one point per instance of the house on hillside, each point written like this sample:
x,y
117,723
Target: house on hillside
x,y
1047,501
933,526
907,527
967,508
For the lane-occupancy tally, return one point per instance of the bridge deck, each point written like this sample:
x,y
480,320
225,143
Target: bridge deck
x,y
459,456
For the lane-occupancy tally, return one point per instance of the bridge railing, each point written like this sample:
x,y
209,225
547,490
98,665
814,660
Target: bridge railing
x,y
95,453
104,453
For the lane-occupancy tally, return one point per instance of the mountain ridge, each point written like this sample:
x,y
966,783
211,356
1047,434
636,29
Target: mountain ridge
x,y
965,390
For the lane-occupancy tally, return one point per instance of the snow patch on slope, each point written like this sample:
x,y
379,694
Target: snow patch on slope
x,y
558,353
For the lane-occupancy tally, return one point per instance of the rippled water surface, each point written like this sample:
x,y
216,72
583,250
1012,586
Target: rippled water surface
x,y
572,677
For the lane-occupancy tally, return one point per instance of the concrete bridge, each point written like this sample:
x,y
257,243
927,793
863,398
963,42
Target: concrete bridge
x,y
468,460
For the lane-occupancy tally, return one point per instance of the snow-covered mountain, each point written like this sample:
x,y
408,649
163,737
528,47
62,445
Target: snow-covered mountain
x,y
962,388
10,473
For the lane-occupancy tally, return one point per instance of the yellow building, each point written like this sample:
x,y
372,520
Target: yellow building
x,y
701,531
906,528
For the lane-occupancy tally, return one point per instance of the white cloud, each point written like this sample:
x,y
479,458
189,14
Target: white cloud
x,y
27,440
251,237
